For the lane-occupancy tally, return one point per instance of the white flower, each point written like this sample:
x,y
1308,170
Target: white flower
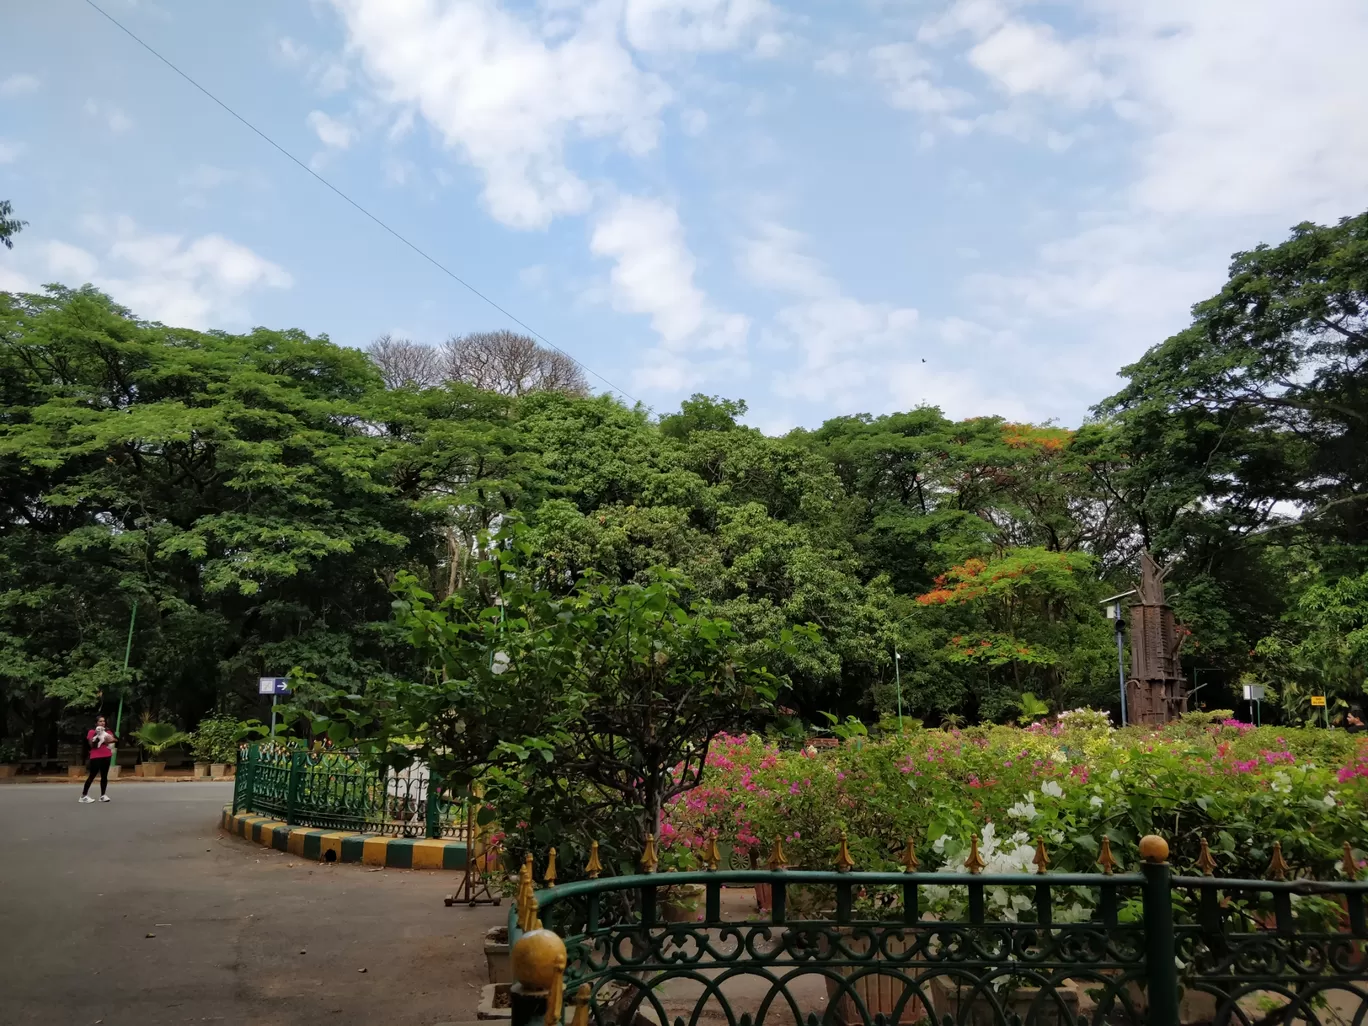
x,y
1115,775
1052,788
1021,837
1329,800
499,663
1059,756
939,846
1281,783
1057,836
1095,802
1023,810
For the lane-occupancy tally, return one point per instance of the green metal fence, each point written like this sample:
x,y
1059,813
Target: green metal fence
x,y
336,791
1155,949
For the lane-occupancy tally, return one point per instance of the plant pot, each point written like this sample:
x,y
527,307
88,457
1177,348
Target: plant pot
x,y
218,770
494,1002
880,994
201,770
113,771
496,955
151,769
7,770
967,1007
681,904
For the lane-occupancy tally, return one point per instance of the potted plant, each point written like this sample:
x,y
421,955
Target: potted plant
x,y
214,745
9,757
156,739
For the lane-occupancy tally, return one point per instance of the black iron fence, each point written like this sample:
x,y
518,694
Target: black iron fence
x,y
1147,948
336,791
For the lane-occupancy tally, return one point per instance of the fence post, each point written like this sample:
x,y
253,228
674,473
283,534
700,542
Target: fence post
x,y
433,817
1161,968
244,780
292,794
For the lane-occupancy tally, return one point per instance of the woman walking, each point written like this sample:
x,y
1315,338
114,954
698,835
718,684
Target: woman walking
x,y
101,743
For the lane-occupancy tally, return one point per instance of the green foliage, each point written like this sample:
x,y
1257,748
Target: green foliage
x,y
10,226
1031,708
257,495
216,739
157,738
580,711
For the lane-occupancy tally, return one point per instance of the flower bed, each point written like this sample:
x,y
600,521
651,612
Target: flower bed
x,y
1071,782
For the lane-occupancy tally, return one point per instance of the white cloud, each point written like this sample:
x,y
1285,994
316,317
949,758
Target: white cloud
x,y
843,343
10,151
19,84
837,63
331,132
693,121
115,119
653,274
196,283
908,83
700,25
506,97
1023,58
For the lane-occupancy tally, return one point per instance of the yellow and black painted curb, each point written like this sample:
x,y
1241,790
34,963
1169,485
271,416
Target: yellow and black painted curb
x,y
344,846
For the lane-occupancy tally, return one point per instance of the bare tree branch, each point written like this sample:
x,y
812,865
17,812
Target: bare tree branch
x,y
403,362
510,364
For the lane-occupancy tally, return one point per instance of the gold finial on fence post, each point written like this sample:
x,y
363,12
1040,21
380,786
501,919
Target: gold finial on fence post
x,y
909,859
1042,858
581,1003
712,858
776,857
538,963
1205,863
974,863
1278,867
527,911
594,867
1349,867
550,876
1154,848
844,863
1106,859
649,858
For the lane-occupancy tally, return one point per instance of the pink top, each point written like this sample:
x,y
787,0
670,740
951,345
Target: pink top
x,y
100,752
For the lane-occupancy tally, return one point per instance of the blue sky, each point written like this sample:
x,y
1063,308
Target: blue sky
x,y
822,207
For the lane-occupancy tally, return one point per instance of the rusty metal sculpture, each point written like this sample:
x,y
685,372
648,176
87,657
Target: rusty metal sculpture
x,y
1157,690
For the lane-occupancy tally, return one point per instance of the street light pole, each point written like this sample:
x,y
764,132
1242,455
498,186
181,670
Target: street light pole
x,y
897,675
1111,606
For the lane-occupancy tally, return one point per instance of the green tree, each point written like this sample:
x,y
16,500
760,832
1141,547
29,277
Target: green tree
x,y
10,226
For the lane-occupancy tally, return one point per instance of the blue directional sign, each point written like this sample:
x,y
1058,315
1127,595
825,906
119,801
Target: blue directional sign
x,y
273,685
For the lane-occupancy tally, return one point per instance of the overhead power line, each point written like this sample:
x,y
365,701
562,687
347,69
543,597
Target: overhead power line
x,y
310,171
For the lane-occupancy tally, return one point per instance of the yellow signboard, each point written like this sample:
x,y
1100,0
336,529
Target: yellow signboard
x,y
1318,700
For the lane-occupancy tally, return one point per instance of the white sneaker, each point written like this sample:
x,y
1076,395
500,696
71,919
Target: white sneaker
x,y
87,800
104,797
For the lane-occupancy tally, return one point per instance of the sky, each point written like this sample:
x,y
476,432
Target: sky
x,y
822,208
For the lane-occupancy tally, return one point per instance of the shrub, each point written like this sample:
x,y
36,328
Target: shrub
x,y
216,740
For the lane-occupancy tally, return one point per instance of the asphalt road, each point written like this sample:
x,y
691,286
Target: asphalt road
x,y
241,934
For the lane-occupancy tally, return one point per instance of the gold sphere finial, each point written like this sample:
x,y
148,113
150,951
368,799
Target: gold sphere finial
x,y
538,960
1154,848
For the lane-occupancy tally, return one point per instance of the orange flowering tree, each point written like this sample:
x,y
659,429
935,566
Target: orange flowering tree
x,y
1023,621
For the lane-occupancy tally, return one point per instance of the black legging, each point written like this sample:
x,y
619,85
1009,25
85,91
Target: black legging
x,y
100,766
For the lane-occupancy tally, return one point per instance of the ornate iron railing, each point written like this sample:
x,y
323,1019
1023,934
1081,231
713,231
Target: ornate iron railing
x,y
1149,949
336,791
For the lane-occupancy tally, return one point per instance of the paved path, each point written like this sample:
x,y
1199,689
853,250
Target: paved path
x,y
81,886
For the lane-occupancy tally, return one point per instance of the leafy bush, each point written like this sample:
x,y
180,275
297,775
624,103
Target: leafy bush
x,y
1071,782
10,750
216,740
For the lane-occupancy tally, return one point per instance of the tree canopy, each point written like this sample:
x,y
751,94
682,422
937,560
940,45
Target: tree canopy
x,y
258,495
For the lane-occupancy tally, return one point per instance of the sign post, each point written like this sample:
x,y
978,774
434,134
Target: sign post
x,y
1111,608
275,687
1254,694
1318,702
